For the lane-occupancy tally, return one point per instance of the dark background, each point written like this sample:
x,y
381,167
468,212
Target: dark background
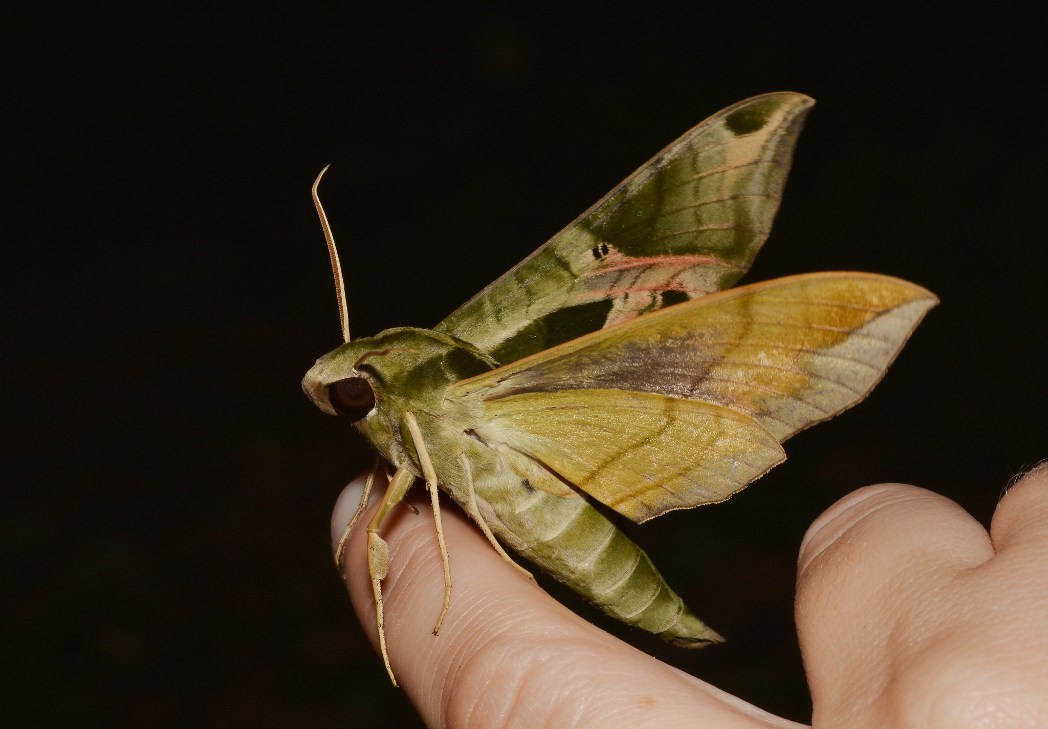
x,y
166,531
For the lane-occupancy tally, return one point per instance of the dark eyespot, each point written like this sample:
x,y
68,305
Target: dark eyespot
x,y
352,397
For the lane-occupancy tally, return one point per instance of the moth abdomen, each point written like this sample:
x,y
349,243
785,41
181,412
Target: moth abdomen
x,y
574,542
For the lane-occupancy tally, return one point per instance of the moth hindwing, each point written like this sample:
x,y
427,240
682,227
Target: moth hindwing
x,y
615,364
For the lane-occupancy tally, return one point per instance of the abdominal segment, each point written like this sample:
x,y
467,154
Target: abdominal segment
x,y
555,527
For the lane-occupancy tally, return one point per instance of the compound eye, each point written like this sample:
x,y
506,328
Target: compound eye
x,y
352,397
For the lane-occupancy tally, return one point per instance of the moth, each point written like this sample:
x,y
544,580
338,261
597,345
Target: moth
x,y
616,364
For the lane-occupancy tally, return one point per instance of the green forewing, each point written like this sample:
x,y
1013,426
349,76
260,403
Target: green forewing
x,y
687,223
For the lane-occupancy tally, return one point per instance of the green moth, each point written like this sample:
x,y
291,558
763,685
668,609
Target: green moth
x,y
616,364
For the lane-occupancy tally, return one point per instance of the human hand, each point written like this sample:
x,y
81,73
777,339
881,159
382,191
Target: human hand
x,y
908,614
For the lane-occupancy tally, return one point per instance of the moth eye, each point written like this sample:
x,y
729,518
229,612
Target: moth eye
x,y
352,396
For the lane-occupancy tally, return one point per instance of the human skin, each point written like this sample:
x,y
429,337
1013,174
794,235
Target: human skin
x,y
909,614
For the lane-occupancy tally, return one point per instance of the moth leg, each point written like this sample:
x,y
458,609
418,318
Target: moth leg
x,y
340,550
431,486
389,477
476,516
378,554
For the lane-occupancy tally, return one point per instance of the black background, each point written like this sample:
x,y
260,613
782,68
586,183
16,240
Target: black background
x,y
165,535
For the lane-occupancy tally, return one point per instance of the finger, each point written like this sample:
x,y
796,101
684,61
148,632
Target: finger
x,y
1018,574
899,615
1021,519
508,654
866,565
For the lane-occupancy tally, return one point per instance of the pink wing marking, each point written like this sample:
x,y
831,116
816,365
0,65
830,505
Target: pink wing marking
x,y
619,262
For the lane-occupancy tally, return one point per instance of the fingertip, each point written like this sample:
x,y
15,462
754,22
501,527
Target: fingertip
x,y
1023,510
839,518
904,607
867,566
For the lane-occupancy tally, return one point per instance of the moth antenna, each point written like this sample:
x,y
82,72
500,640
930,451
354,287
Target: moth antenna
x,y
336,266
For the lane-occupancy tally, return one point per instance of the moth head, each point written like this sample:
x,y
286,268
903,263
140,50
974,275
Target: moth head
x,y
398,369
357,383
373,381
350,393
341,383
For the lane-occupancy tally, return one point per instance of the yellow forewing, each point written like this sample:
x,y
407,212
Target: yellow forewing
x,y
788,353
640,453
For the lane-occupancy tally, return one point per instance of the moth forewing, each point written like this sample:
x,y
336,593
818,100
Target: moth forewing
x,y
689,222
686,406
610,365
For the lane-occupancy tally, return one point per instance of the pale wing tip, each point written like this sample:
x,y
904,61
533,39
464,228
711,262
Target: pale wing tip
x,y
919,297
915,296
904,300
917,292
914,311
792,98
906,291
